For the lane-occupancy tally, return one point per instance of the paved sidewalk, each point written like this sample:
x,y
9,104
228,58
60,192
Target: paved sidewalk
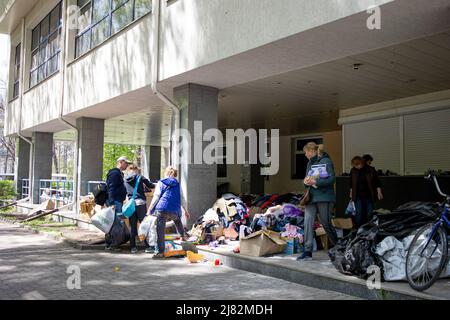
x,y
33,266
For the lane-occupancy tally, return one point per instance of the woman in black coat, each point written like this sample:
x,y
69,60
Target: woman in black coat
x,y
141,203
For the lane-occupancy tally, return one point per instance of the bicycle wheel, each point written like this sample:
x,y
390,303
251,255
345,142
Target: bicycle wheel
x,y
426,258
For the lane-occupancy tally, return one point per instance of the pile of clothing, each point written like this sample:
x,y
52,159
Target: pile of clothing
x,y
263,202
277,217
354,254
225,217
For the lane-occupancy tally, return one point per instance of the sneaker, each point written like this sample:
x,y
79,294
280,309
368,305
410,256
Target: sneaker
x,y
134,251
158,256
150,250
305,256
108,248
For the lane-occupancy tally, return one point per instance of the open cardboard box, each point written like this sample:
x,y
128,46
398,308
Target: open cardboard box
x,y
262,243
342,226
323,237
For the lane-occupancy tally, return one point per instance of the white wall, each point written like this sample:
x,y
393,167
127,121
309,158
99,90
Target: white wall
x,y
407,136
122,64
198,32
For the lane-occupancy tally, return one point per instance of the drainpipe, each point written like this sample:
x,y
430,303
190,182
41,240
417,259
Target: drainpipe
x,y
176,118
29,141
77,169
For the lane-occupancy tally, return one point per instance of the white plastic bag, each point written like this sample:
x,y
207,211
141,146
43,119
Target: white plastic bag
x,y
147,230
104,219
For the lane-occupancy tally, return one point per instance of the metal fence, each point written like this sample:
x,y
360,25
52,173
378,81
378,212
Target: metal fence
x,y
60,191
91,185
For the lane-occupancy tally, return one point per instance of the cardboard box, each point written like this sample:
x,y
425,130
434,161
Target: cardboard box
x,y
342,226
322,238
262,243
345,224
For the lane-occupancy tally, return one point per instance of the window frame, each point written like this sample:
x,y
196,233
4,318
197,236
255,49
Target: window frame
x,y
89,28
295,175
43,45
17,68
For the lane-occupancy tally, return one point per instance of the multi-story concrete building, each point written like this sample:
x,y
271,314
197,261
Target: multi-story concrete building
x,y
362,79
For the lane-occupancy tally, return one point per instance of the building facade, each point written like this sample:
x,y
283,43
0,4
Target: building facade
x,y
367,76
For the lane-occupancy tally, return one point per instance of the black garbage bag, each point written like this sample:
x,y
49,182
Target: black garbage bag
x,y
118,235
100,194
354,254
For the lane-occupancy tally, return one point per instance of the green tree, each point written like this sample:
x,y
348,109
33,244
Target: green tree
x,y
112,152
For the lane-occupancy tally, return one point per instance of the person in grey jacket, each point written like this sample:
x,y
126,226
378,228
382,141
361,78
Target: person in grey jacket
x,y
320,180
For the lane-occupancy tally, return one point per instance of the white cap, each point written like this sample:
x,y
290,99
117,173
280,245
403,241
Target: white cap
x,y
124,159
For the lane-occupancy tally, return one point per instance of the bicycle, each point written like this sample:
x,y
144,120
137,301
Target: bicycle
x,y
427,254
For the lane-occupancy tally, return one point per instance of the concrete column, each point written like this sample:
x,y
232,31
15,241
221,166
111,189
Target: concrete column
x,y
90,144
42,160
198,181
154,162
22,168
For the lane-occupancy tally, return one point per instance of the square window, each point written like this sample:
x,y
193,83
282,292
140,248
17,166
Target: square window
x,y
16,89
83,43
55,18
35,38
53,65
41,73
142,7
100,10
45,27
43,52
85,17
33,78
16,72
17,55
100,32
122,17
54,43
35,59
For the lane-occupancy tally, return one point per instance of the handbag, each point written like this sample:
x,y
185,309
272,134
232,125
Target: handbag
x,y
130,207
306,199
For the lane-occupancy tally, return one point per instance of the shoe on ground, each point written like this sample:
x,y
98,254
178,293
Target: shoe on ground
x,y
150,250
108,248
158,256
134,251
305,256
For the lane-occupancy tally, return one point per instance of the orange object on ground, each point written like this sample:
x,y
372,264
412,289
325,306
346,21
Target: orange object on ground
x,y
195,258
175,253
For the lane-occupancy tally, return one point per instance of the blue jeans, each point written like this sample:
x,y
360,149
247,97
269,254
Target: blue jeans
x,y
364,210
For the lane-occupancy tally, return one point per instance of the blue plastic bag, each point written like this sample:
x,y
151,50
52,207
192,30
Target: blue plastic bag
x,y
351,209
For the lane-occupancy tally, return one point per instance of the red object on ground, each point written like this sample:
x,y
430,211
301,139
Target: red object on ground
x,y
217,262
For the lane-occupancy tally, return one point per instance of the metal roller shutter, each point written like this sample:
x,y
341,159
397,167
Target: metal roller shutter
x,y
380,138
427,141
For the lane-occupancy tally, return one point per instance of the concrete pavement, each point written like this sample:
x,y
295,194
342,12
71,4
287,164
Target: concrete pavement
x,y
34,267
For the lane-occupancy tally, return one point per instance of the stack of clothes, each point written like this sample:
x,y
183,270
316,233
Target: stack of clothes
x,y
226,216
263,202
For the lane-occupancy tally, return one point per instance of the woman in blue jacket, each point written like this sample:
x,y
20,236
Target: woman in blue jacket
x,y
166,204
320,180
